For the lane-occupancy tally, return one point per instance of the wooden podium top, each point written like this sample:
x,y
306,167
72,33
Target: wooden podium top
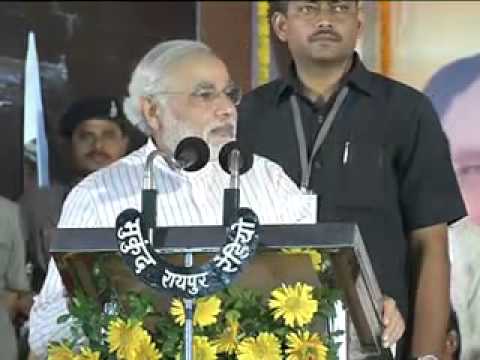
x,y
327,236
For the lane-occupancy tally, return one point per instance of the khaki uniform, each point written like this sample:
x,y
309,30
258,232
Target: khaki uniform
x,y
12,271
40,212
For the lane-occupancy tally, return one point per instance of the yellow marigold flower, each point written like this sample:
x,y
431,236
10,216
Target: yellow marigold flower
x,y
294,304
146,349
88,354
303,346
124,337
228,341
266,347
315,256
60,352
203,349
206,311
177,311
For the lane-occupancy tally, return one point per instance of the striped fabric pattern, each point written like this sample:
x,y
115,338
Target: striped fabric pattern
x,y
184,199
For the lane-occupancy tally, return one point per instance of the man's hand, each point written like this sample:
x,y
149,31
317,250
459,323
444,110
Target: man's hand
x,y
393,323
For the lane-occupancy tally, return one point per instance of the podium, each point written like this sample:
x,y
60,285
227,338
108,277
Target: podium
x,y
351,264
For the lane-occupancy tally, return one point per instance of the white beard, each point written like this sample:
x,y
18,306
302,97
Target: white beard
x,y
174,131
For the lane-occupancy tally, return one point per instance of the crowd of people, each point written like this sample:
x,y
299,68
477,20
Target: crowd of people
x,y
370,149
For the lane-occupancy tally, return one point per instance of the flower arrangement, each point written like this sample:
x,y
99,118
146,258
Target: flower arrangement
x,y
236,323
263,41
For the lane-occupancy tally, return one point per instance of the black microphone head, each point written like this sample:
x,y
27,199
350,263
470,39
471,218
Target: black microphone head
x,y
192,152
246,157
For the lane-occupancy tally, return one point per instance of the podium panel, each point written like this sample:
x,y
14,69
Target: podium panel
x,y
267,271
75,251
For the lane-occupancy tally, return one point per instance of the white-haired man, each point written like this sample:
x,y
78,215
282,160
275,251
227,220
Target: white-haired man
x,y
179,89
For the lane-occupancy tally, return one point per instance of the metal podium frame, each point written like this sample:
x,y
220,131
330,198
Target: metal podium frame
x,y
352,266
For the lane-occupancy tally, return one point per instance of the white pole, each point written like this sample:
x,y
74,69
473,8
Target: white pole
x,y
33,121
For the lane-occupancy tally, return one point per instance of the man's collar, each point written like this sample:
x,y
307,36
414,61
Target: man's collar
x,y
358,77
150,145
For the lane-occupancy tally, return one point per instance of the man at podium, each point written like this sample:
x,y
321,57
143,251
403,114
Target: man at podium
x,y
179,89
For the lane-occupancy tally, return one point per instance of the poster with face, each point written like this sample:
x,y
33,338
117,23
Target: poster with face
x,y
434,49
455,92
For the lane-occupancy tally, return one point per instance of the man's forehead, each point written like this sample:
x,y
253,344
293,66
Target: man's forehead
x,y
329,3
202,78
97,123
323,1
202,72
207,84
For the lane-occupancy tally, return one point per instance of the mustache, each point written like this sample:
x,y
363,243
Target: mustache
x,y
325,32
92,154
226,129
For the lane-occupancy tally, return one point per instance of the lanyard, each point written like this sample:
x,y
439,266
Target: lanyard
x,y
305,163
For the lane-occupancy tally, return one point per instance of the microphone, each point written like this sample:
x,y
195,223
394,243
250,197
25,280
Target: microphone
x,y
191,154
236,161
245,161
149,194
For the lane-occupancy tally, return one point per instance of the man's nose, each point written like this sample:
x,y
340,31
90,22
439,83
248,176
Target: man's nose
x,y
225,107
324,20
98,142
324,17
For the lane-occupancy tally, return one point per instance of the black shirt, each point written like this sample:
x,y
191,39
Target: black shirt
x,y
397,174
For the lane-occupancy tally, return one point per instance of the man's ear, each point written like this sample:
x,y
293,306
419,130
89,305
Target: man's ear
x,y
360,21
279,25
152,113
125,142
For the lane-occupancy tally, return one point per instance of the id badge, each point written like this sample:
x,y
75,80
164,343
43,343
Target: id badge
x,y
309,200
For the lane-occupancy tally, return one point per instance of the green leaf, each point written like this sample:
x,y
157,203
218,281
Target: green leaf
x,y
246,306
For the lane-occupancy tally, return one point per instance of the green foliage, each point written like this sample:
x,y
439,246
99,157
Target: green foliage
x,y
247,307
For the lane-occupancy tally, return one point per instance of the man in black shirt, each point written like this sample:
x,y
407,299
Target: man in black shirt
x,y
371,149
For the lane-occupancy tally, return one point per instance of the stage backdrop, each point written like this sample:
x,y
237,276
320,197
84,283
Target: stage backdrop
x,y
84,48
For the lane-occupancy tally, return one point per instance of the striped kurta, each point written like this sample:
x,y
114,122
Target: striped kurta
x,y
184,199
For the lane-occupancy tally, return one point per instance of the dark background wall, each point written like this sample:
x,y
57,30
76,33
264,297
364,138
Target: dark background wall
x,y
85,48
90,48
226,26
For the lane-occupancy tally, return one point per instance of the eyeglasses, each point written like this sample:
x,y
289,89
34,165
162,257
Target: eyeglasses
x,y
311,10
207,93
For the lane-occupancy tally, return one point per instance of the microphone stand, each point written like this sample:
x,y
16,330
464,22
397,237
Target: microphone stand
x,y
231,195
149,196
189,311
149,213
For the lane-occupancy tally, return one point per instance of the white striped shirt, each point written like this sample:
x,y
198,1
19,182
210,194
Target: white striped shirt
x,y
184,199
